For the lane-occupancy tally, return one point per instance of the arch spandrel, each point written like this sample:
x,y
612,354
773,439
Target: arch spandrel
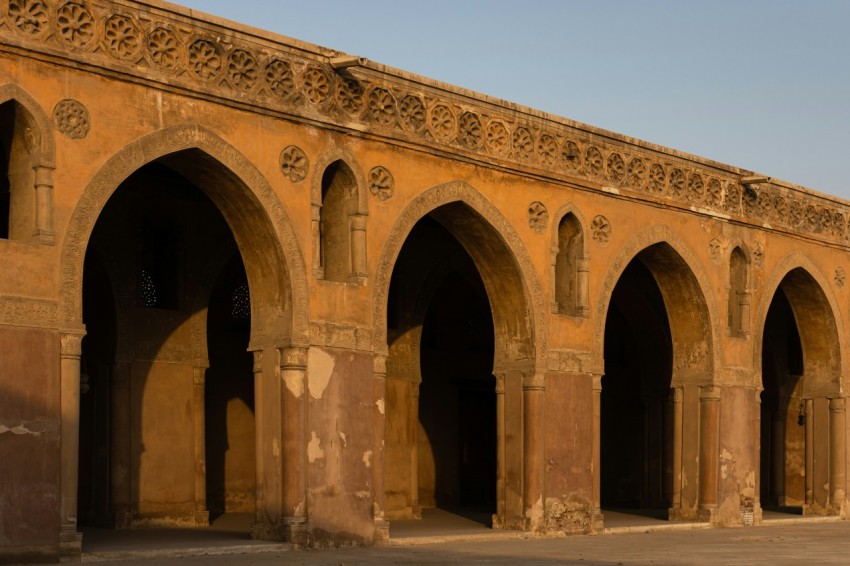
x,y
255,215
809,289
530,322
695,358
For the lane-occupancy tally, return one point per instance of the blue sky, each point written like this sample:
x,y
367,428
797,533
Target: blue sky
x,y
761,84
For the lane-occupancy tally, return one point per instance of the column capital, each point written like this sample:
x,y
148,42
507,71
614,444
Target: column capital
x,y
500,383
709,393
534,381
293,358
597,381
676,394
838,404
71,344
379,365
199,375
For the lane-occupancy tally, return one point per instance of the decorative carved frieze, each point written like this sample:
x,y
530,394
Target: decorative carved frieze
x,y
20,311
159,45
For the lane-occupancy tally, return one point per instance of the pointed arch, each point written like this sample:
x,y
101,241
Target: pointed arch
x,y
30,166
738,304
500,255
682,281
570,263
818,318
339,211
247,201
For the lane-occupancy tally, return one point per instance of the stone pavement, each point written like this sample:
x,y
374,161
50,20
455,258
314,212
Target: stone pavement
x,y
806,542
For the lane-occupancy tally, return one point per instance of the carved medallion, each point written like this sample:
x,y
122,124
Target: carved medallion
x,y
600,229
657,179
616,168
469,130
840,277
522,144
381,183
280,79
75,24
412,113
72,119
571,156
732,198
294,163
441,122
758,255
497,138
381,107
538,216
204,59
715,250
547,149
349,96
696,189
677,183
28,16
316,86
122,38
242,70
164,49
636,174
593,161
714,193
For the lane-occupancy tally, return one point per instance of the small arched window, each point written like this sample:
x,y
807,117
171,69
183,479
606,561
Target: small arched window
x,y
739,297
342,229
18,148
571,269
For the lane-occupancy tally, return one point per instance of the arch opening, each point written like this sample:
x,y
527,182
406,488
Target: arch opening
x,y
800,363
184,248
456,315
658,358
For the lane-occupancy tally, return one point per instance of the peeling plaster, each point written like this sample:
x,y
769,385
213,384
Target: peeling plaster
x,y
314,448
19,430
344,439
276,448
367,458
294,382
380,404
320,368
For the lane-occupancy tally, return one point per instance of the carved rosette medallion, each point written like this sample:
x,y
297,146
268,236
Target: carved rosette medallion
x,y
164,49
470,132
72,119
316,86
600,230
412,113
593,161
571,156
732,199
636,174
677,183
522,144
381,183
29,16
840,277
616,168
75,25
121,38
349,96
279,78
242,70
538,217
294,163
497,138
547,149
714,194
696,189
715,250
758,255
204,59
441,122
657,180
381,107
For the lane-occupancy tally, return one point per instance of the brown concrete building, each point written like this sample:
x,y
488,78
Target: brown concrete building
x,y
243,273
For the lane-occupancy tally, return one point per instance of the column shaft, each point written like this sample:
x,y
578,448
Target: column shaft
x,y
837,455
709,446
499,518
202,516
293,422
70,541
533,456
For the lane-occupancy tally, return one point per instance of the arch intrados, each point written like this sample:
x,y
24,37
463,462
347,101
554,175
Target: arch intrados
x,y
818,323
273,262
501,259
682,281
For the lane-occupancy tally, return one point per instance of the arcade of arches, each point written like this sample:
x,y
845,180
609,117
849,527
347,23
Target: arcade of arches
x,y
325,295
